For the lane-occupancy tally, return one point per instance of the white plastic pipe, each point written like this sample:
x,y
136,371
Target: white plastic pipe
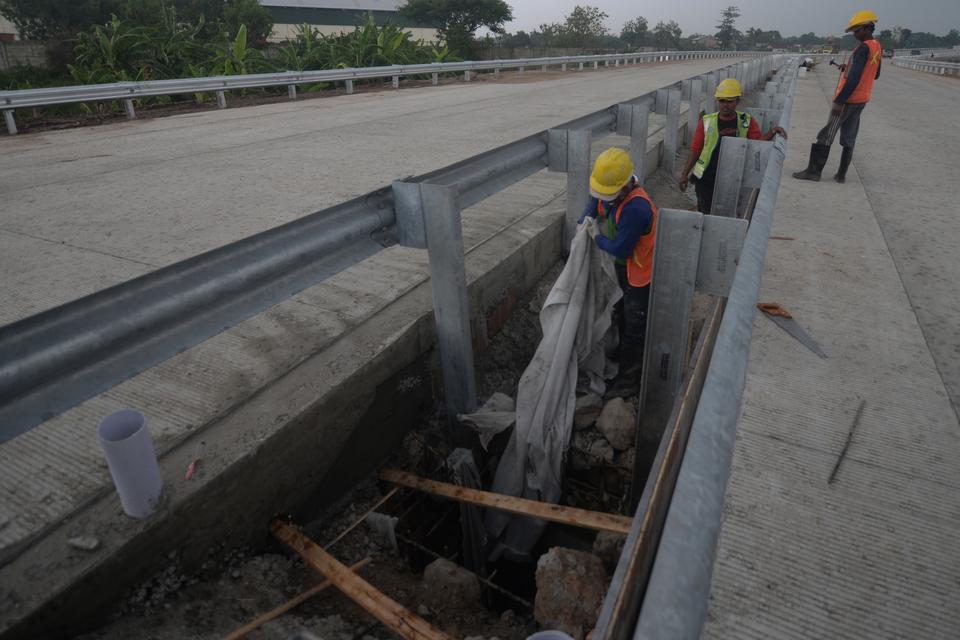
x,y
132,460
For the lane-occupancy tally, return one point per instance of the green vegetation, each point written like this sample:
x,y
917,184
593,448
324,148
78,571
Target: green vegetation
x,y
152,43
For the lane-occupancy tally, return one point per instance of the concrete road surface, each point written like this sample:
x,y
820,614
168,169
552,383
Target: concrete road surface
x,y
88,208
906,159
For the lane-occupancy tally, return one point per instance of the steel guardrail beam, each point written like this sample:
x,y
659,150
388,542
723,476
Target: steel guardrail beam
x,y
676,597
56,359
28,98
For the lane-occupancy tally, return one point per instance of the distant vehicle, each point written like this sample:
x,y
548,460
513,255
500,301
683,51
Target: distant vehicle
x,y
888,53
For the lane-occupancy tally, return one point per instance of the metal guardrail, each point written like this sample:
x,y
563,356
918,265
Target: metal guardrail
x,y
929,66
130,91
676,597
54,360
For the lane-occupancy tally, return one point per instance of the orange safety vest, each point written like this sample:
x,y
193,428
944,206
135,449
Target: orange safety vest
x,y
865,87
640,262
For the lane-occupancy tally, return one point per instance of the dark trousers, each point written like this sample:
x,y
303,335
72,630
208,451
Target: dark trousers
x,y
631,314
704,195
847,122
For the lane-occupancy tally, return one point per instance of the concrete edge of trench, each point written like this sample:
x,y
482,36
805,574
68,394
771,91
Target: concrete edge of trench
x,y
303,439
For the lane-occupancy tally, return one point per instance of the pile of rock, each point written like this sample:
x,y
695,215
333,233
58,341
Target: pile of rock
x,y
570,589
604,433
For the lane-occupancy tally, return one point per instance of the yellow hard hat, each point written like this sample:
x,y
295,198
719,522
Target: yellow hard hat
x,y
611,173
728,88
861,18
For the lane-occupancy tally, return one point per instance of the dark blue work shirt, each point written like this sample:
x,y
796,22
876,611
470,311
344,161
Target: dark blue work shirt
x,y
635,221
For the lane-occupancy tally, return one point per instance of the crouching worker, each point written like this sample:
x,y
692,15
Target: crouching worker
x,y
705,146
628,220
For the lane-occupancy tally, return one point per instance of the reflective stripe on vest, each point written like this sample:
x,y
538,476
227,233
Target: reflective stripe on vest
x,y
711,137
640,262
865,87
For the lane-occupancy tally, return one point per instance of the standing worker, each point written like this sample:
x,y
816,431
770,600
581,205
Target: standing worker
x,y
628,220
705,147
852,95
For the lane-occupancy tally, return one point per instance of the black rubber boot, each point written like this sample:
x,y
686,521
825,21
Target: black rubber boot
x,y
627,382
845,159
818,158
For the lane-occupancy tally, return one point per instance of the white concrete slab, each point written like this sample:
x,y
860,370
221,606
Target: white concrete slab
x,y
158,191
874,554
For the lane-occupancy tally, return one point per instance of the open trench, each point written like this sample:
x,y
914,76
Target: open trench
x,y
411,531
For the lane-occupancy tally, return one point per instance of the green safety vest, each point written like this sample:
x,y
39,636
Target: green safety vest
x,y
711,137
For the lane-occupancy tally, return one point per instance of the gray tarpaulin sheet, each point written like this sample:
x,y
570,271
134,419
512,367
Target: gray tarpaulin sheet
x,y
575,320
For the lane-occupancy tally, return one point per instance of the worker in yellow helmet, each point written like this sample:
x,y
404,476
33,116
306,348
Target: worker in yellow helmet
x,y
627,219
852,95
705,146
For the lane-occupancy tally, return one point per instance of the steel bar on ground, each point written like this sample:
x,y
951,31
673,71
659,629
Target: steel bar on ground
x,y
511,504
391,613
294,602
451,305
492,585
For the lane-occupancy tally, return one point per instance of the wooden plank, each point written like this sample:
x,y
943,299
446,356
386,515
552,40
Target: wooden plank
x,y
253,625
545,511
391,613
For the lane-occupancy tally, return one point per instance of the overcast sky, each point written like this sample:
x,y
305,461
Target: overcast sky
x,y
791,17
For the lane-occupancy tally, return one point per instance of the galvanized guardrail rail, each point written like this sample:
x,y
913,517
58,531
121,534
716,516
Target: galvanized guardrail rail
x,y
219,85
661,583
929,66
56,359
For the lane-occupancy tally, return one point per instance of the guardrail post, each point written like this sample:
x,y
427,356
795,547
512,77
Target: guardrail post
x,y
434,78
496,72
661,104
616,62
639,130
693,112
671,131
580,66
128,107
221,100
396,82
563,67
292,91
520,70
569,150
710,101
349,84
11,121
466,75
451,305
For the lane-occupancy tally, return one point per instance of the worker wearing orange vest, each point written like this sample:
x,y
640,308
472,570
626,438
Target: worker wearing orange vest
x,y
852,95
628,221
